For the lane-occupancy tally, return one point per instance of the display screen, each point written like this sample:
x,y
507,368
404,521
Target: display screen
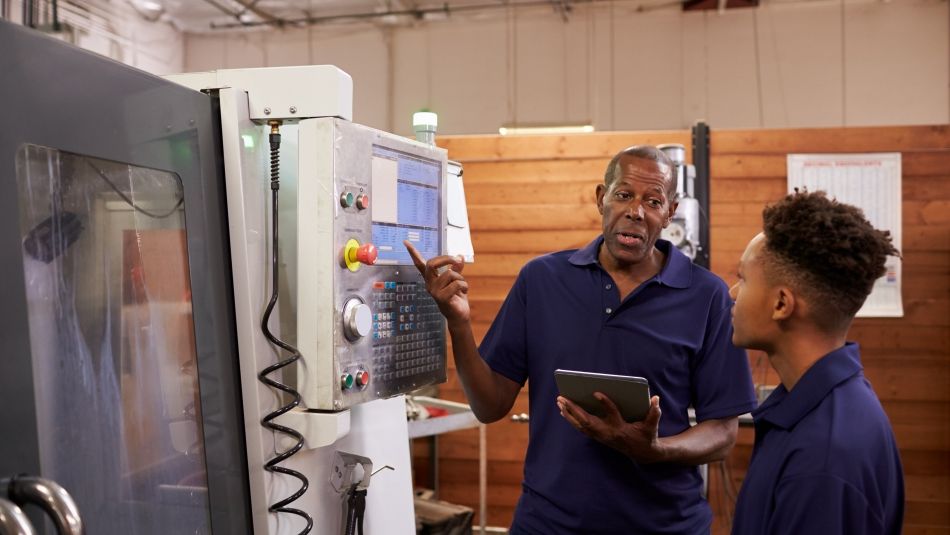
x,y
406,205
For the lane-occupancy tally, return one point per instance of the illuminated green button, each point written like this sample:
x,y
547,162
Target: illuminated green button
x,y
347,380
347,199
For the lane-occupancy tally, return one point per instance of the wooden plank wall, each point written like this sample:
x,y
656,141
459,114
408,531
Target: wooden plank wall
x,y
531,195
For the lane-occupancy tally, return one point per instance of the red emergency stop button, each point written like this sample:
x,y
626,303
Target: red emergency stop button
x,y
364,254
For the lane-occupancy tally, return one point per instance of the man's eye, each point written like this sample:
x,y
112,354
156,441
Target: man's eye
x,y
655,203
622,195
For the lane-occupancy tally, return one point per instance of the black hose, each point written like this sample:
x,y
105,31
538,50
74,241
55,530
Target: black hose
x,y
273,464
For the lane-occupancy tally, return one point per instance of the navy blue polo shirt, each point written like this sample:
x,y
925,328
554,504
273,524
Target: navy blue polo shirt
x,y
824,460
564,311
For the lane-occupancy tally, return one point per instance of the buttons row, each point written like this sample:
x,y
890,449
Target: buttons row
x,y
433,354
384,297
417,345
399,287
399,341
414,337
348,199
359,380
416,358
400,374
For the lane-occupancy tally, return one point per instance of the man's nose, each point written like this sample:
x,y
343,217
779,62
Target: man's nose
x,y
734,291
635,210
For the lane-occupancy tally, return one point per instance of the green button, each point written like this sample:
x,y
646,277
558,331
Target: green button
x,y
347,199
347,381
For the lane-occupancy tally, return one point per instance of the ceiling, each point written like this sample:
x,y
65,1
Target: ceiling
x,y
210,15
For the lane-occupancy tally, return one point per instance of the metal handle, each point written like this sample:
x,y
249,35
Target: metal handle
x,y
13,521
522,418
50,497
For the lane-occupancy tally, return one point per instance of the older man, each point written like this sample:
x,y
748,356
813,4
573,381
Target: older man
x,y
627,303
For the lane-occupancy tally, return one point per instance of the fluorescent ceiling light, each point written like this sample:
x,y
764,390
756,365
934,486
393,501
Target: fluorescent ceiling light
x,y
522,129
151,5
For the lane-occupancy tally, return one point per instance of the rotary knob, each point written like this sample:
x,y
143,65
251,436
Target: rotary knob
x,y
357,319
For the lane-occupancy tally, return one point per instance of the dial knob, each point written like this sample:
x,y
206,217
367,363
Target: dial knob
x,y
357,319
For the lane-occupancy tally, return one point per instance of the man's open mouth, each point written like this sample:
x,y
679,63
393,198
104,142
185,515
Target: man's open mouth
x,y
630,239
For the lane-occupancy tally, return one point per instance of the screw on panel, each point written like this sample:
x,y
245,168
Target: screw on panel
x,y
293,109
266,111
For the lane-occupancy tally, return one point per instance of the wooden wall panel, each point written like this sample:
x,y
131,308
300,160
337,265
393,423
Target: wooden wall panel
x,y
532,195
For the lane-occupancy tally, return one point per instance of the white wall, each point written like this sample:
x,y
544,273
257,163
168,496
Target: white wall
x,y
783,64
117,31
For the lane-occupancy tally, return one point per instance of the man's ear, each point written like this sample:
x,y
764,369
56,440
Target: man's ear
x,y
599,194
784,304
671,213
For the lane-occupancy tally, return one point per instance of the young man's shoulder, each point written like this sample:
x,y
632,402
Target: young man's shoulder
x,y
847,434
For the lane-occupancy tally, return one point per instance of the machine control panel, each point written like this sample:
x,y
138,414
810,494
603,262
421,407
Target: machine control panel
x,y
366,326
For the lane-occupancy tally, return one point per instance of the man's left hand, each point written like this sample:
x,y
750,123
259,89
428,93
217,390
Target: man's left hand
x,y
637,440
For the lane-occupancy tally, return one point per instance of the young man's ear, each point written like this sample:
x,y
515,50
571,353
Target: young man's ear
x,y
784,304
599,196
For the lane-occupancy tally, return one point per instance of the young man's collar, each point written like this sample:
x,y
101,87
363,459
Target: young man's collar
x,y
676,272
785,409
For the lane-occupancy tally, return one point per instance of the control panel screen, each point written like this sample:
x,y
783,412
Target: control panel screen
x,y
406,205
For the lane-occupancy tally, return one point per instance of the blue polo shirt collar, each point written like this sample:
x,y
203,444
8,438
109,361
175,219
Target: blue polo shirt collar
x,y
784,409
676,272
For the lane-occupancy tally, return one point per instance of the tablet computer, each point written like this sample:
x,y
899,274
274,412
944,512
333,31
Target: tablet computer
x,y
630,394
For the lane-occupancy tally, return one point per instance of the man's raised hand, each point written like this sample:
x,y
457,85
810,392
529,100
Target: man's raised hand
x,y
445,283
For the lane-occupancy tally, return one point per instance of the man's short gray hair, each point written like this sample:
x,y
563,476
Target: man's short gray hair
x,y
647,152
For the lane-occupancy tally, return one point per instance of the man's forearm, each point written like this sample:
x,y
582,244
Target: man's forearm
x,y
703,443
490,395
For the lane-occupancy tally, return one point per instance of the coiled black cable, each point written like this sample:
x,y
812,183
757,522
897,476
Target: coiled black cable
x,y
267,421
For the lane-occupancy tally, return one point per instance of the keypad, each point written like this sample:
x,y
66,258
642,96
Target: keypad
x,y
408,334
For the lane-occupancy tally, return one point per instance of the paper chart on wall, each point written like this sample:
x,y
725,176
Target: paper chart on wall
x,y
873,183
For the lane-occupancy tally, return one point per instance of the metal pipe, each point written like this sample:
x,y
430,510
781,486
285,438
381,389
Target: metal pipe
x,y
223,8
13,520
50,497
419,13
250,6
700,138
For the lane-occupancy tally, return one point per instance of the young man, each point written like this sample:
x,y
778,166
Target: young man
x,y
627,303
824,460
